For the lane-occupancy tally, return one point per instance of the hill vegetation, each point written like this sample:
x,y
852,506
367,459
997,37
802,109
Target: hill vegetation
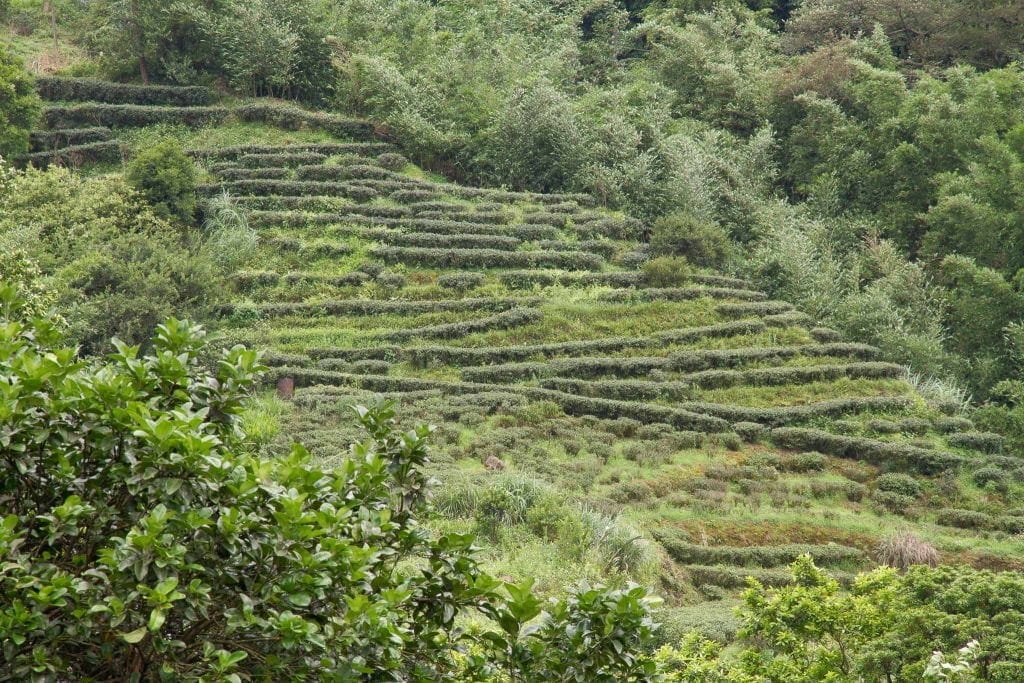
x,y
718,299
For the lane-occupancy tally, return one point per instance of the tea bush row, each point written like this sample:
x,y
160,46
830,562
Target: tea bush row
x,y
985,442
109,151
43,140
255,173
761,308
686,361
292,118
428,240
386,307
291,160
393,217
321,148
880,453
572,405
829,555
683,294
249,280
62,89
487,258
490,355
130,115
516,317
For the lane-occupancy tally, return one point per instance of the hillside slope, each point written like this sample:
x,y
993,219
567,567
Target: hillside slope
x,y
729,429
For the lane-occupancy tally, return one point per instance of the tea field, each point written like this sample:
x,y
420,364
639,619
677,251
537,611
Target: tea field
x,y
600,413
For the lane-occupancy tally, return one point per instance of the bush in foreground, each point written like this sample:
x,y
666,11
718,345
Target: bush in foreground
x,y
142,542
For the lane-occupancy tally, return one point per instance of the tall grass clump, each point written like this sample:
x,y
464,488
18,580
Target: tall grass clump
x,y
903,550
230,240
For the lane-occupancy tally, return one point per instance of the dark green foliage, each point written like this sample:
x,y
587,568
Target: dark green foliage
x,y
166,178
294,118
500,321
460,281
109,151
373,307
488,258
986,442
59,89
126,520
319,149
19,105
992,477
965,519
700,241
902,456
903,484
43,140
130,115
830,555
666,271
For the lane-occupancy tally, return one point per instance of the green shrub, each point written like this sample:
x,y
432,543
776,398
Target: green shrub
x,y
805,462
166,178
666,271
19,105
992,477
986,442
460,281
897,482
965,519
53,139
138,528
701,242
129,115
57,88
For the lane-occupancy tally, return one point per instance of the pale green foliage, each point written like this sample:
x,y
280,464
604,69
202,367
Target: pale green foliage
x,y
229,239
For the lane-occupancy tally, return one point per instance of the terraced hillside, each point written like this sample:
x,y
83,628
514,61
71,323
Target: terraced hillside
x,y
599,412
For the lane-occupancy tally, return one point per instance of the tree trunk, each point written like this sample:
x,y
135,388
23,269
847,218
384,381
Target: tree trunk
x,y
52,10
140,48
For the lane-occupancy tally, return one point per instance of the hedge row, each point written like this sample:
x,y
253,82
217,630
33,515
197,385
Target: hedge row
x,y
683,294
430,240
736,577
388,216
880,453
685,552
248,280
788,319
384,306
521,279
487,258
572,405
289,160
345,172
677,391
293,188
43,140
602,248
758,377
754,308
324,148
683,361
76,155
683,387
986,442
613,228
130,115
315,205
424,356
254,173
292,118
508,319
979,521
60,89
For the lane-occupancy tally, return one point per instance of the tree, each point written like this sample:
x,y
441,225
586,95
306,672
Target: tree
x,y
143,541
19,105
166,177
